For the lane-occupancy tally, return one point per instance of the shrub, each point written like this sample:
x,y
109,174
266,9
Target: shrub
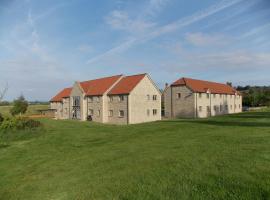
x,y
1,118
19,123
9,124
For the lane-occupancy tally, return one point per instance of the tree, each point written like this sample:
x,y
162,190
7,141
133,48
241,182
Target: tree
x,y
229,83
20,106
3,92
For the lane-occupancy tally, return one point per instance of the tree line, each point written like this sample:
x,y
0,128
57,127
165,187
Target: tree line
x,y
254,96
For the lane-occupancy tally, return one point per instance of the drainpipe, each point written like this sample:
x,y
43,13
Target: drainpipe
x,y
196,103
128,114
210,104
171,103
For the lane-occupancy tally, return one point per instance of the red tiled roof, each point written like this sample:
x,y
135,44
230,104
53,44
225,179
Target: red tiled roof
x,y
126,84
203,86
98,86
64,93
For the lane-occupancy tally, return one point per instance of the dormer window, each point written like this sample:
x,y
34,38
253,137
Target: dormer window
x,y
111,99
121,98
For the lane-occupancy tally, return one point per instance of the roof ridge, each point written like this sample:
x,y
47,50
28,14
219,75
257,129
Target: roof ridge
x,y
127,84
101,78
136,75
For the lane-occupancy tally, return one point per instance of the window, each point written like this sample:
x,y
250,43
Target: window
x,y
111,99
226,107
98,113
235,106
154,97
90,99
239,105
208,96
208,108
121,98
200,95
154,111
216,108
76,101
91,112
148,112
200,108
110,113
148,97
98,99
178,95
121,113
220,108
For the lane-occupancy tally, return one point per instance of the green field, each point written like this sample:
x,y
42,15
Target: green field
x,y
32,109
219,158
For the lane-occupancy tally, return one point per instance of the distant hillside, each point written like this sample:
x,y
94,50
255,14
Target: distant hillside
x,y
255,95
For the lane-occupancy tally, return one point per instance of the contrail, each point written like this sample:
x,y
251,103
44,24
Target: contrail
x,y
168,28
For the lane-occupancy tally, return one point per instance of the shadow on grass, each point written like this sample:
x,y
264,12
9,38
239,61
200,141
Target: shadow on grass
x,y
232,123
231,120
2,146
221,123
253,115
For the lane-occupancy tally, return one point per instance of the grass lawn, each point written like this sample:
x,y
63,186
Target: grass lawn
x,y
32,109
219,158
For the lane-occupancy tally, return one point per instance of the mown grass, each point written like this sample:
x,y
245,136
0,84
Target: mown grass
x,y
219,158
32,109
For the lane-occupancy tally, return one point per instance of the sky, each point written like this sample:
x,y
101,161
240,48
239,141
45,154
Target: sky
x,y
48,45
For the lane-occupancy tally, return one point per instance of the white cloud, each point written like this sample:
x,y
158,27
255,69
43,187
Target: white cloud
x,y
120,20
155,6
236,62
201,39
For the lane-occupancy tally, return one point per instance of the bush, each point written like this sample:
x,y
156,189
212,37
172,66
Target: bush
x,y
20,106
19,123
1,118
9,124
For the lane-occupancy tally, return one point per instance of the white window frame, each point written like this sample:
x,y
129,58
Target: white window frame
x,y
121,114
121,98
110,99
